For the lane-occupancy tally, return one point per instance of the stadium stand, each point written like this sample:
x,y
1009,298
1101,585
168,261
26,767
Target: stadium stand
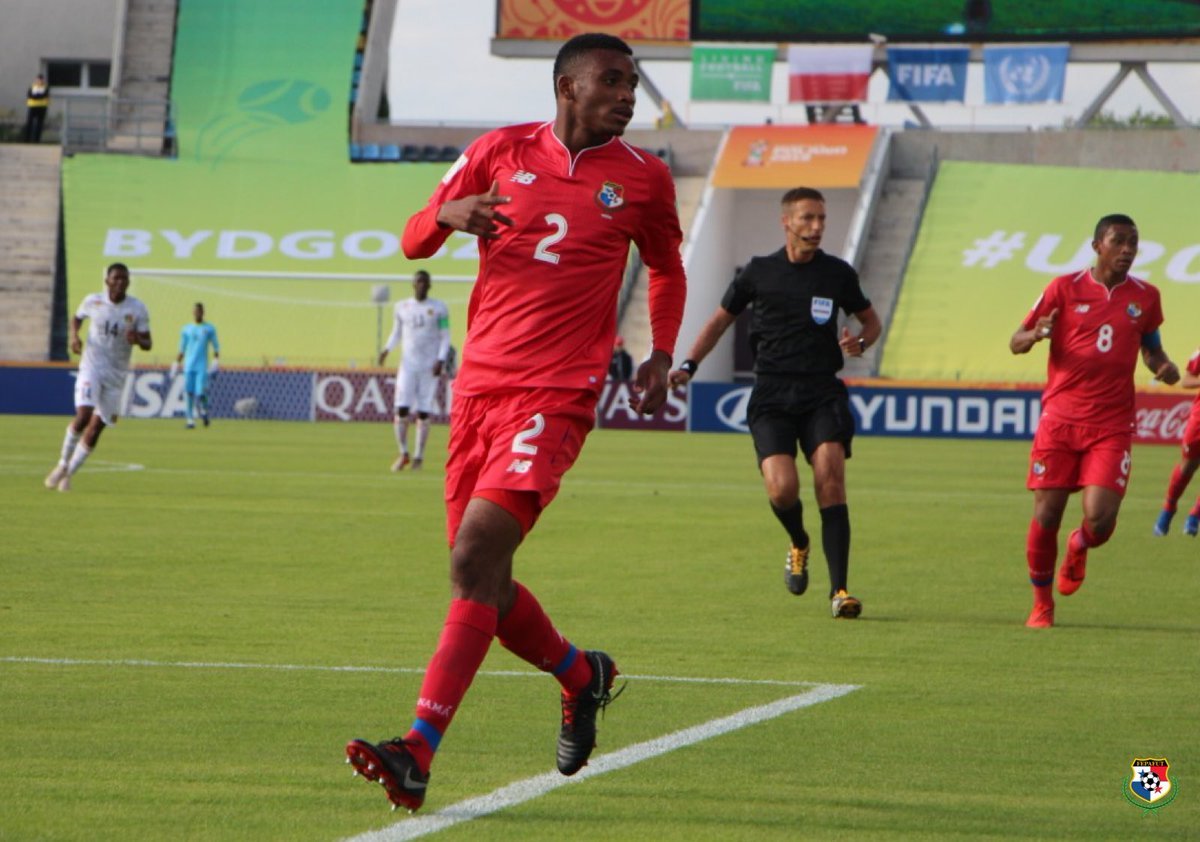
x,y
143,90
29,213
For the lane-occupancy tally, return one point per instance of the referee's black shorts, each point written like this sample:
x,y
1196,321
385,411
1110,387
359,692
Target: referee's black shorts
x,y
810,410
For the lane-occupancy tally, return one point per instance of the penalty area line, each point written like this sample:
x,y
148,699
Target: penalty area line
x,y
518,793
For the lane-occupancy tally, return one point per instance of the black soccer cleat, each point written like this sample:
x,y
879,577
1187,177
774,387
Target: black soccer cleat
x,y
795,570
391,764
577,737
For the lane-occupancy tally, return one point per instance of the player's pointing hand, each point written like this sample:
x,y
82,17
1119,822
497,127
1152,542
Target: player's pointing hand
x,y
477,214
1046,324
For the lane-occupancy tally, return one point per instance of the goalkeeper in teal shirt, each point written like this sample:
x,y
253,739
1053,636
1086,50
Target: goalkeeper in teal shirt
x,y
197,370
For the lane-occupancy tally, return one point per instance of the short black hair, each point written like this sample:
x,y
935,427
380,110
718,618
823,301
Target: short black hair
x,y
113,266
799,194
586,43
421,273
1109,221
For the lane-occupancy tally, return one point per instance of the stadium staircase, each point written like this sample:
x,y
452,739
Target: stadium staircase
x,y
889,240
634,326
29,212
141,110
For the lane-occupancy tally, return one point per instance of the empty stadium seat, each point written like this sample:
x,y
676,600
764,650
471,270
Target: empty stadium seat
x,y
431,153
391,152
410,152
450,153
355,152
371,152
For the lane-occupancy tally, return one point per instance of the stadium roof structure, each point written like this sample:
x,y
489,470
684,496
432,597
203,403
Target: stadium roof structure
x,y
1132,58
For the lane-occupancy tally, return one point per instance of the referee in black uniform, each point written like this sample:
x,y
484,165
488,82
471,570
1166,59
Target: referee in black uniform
x,y
798,397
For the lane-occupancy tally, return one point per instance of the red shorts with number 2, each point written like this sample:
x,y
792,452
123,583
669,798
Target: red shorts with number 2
x,y
1074,455
522,440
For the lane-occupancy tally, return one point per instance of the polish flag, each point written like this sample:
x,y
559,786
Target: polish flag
x,y
829,72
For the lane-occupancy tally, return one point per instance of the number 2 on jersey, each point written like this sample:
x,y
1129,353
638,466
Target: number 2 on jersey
x,y
542,252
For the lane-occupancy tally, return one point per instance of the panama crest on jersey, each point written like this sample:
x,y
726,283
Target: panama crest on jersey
x,y
1133,310
611,196
1149,787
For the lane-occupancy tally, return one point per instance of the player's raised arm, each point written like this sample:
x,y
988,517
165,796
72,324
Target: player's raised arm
x,y
475,214
1025,338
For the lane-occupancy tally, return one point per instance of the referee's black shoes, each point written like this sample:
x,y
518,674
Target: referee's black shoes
x,y
795,570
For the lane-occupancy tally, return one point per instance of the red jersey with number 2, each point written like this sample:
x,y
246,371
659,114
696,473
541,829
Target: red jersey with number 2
x,y
1095,347
543,311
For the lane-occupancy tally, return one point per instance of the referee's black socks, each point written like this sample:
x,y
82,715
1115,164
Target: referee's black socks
x,y
835,540
792,519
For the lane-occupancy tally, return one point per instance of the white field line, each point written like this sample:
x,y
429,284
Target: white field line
x,y
223,665
8,466
539,785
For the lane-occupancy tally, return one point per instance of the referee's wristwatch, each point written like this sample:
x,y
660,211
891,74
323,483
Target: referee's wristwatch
x,y
688,367
862,345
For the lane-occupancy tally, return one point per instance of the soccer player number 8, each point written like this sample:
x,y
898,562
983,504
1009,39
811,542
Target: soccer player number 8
x,y
1104,341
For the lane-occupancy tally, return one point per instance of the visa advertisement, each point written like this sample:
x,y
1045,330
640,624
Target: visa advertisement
x,y
994,235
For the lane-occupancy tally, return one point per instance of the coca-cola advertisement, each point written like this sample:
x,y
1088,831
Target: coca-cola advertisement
x,y
1162,417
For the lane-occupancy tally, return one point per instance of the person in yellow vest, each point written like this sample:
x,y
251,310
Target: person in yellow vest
x,y
37,100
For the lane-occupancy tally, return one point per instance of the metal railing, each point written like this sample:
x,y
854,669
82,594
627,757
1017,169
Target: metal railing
x,y
106,124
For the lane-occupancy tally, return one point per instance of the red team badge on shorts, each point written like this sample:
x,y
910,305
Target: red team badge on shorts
x,y
611,196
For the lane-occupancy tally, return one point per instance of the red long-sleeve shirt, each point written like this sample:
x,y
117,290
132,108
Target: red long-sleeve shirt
x,y
543,311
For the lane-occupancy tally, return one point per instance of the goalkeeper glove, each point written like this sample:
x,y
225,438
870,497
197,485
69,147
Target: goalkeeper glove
x,y
214,367
174,370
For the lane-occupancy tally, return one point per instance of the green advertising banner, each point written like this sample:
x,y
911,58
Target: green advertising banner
x,y
731,73
285,259
294,251
994,235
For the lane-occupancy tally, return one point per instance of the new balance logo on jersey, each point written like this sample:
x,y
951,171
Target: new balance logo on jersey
x,y
520,466
1082,308
523,177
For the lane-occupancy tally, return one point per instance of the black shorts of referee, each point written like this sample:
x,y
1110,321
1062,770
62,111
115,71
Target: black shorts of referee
x,y
805,409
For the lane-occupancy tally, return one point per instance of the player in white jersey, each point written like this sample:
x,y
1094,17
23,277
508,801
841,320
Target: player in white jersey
x,y
118,322
422,325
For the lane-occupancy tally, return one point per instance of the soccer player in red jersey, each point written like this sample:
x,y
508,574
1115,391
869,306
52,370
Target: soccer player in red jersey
x,y
1183,472
555,206
1097,321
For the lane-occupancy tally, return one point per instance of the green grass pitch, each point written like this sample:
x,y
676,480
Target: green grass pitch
x,y
145,618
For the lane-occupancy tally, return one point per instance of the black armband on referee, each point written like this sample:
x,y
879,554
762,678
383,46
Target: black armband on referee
x,y
688,367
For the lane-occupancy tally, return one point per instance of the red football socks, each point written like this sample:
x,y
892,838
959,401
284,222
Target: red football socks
x,y
1041,551
466,637
527,632
1175,489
